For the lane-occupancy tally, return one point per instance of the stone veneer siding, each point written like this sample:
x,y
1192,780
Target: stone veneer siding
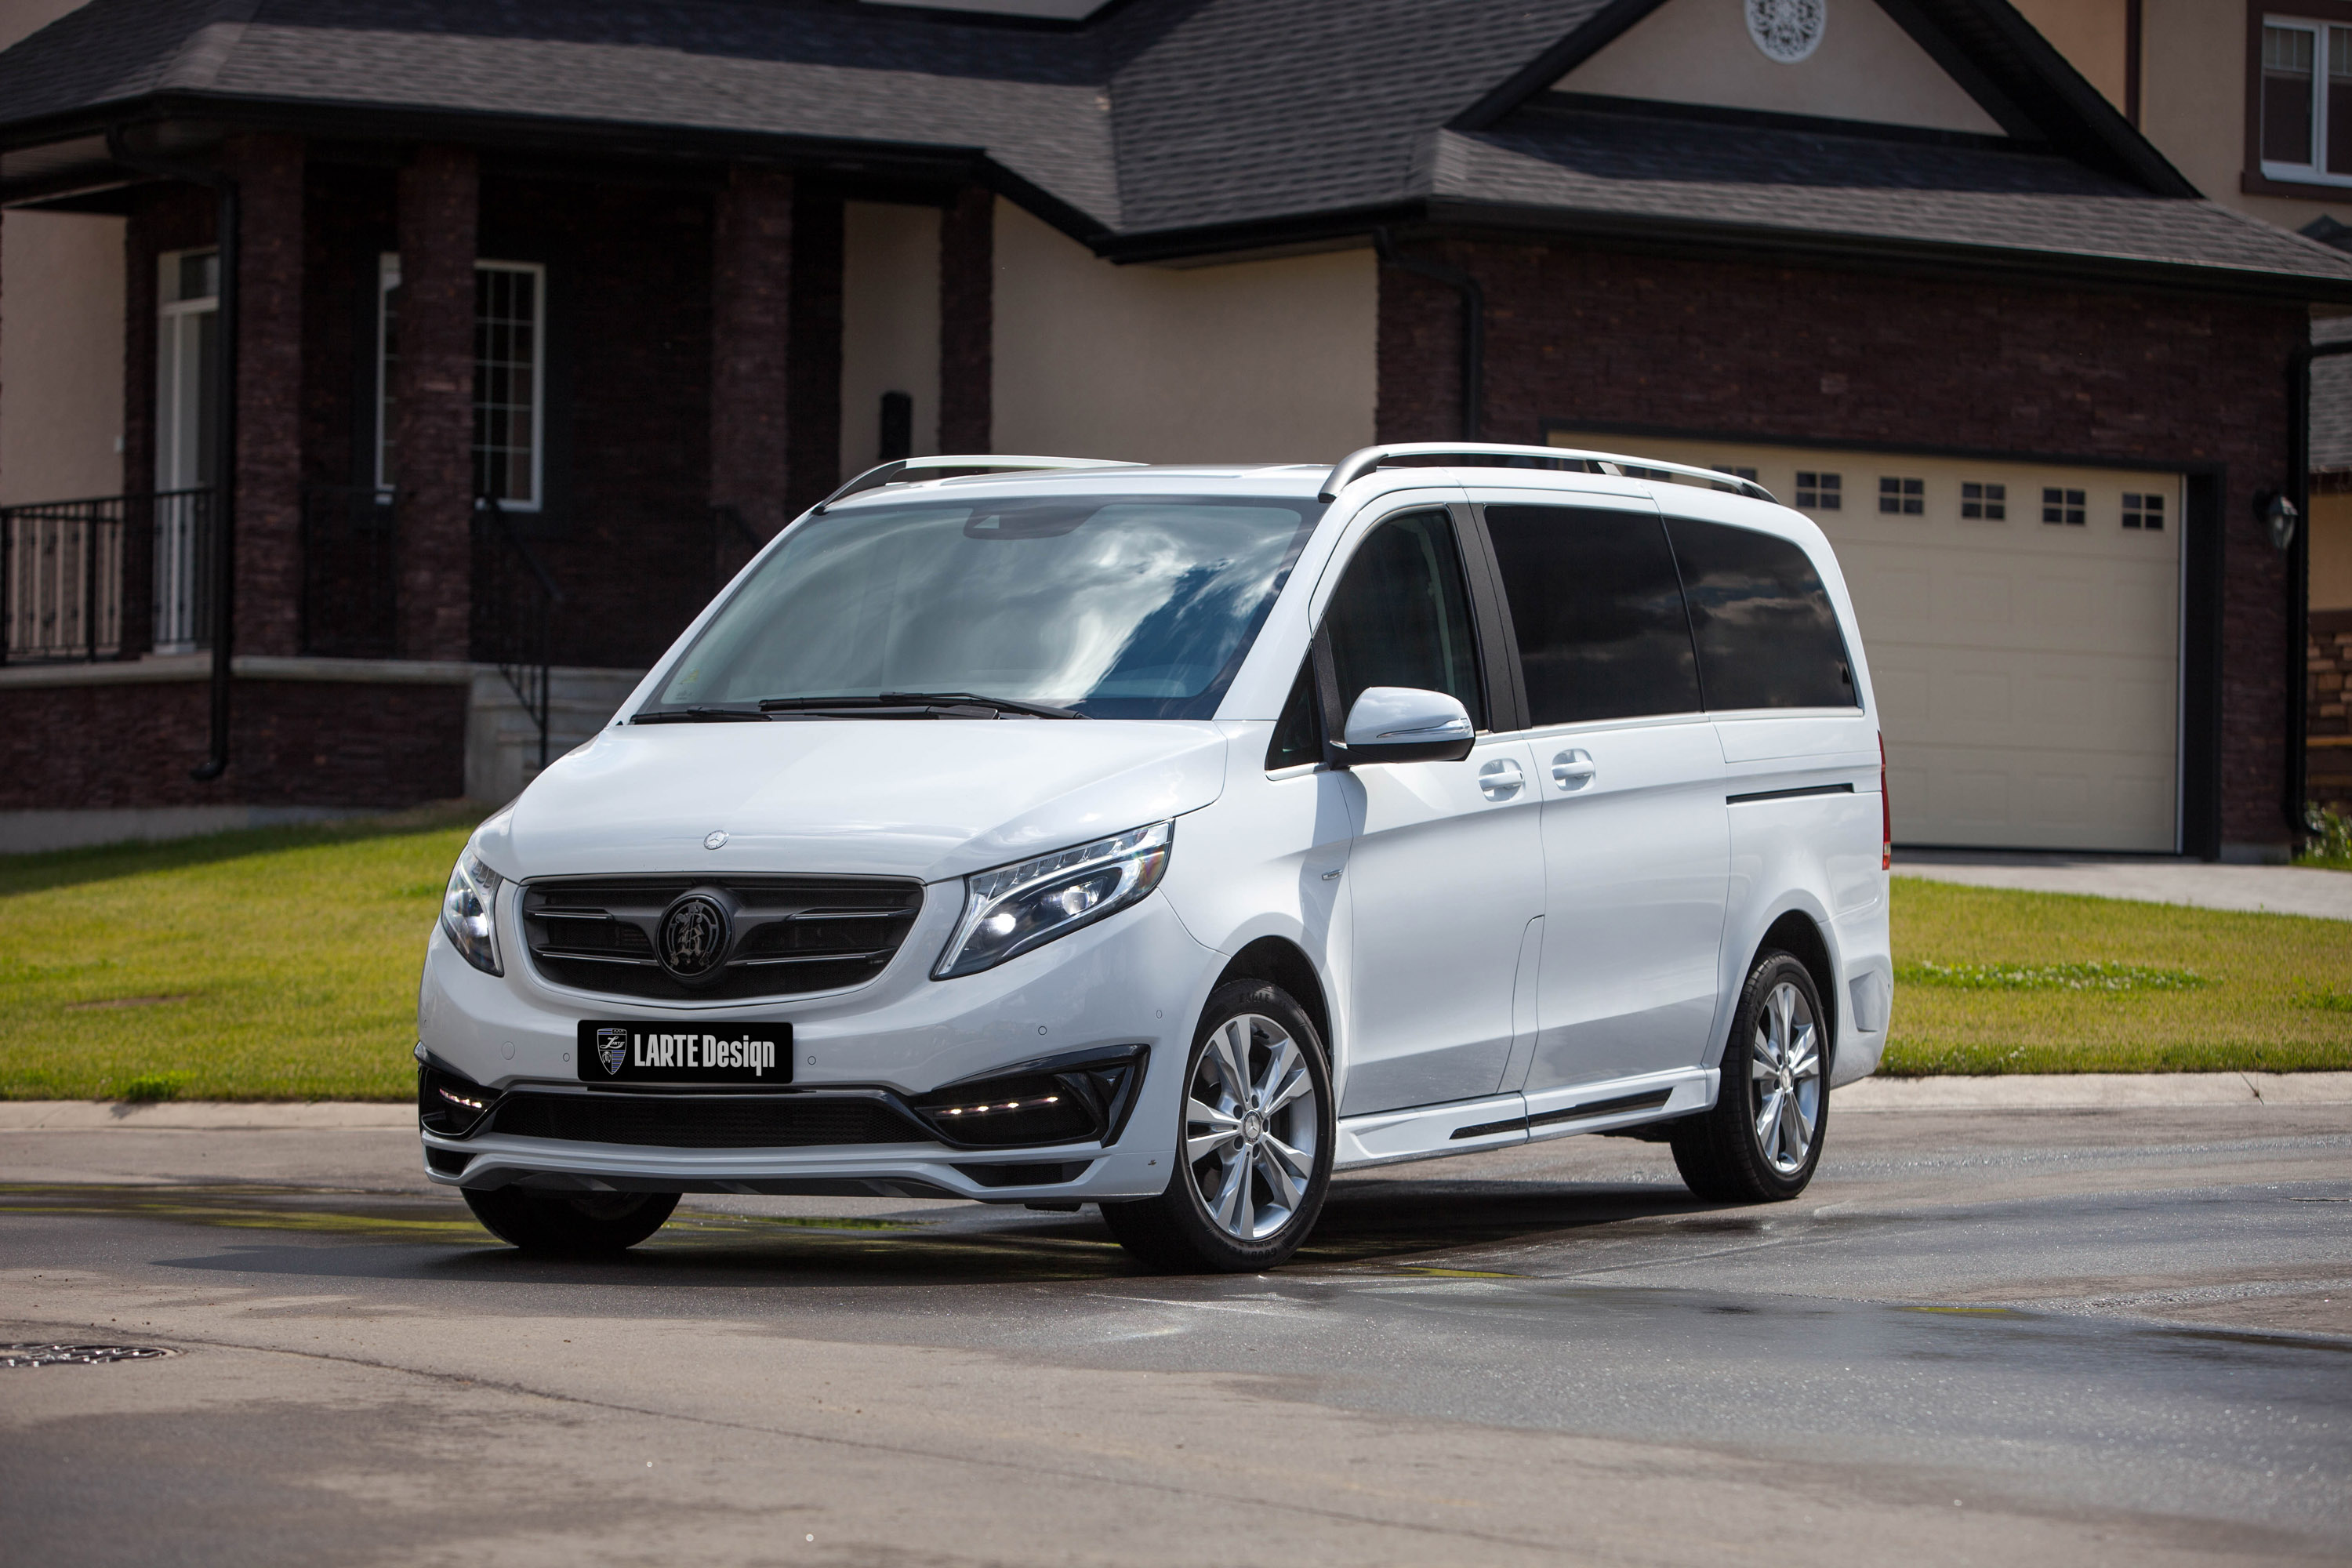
x,y
292,742
1586,335
2329,756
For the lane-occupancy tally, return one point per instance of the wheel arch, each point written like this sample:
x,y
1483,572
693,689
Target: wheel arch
x,y
1280,962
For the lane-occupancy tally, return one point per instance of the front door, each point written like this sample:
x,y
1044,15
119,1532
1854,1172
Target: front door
x,y
1636,840
1447,870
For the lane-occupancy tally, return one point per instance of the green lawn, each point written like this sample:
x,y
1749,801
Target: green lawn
x,y
281,964
1993,980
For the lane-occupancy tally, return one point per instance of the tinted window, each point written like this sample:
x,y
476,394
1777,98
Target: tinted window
x,y
1402,616
1767,637
1598,613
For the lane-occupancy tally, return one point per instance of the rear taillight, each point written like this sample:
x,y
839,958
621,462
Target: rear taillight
x,y
1886,813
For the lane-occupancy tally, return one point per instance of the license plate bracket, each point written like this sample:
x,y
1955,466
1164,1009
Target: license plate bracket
x,y
746,1055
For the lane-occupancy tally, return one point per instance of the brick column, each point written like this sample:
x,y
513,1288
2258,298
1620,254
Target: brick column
x,y
967,321
750,341
433,402
813,433
268,607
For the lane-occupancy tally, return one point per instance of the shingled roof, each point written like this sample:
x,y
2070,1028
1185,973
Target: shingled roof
x,y
1170,127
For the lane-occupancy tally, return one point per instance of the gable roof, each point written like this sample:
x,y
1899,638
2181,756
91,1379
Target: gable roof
x,y
1165,128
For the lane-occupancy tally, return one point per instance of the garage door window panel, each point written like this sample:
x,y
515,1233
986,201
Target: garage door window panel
x,y
1598,612
1765,634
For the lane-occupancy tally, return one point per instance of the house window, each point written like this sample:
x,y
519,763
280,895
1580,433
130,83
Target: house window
x,y
509,378
2306,100
1819,492
1906,497
2143,512
1989,502
2062,506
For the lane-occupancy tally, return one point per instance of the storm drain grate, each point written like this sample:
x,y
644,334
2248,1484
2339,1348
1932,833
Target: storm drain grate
x,y
77,1355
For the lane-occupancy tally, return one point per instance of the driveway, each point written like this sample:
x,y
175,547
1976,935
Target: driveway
x,y
2269,890
1991,1334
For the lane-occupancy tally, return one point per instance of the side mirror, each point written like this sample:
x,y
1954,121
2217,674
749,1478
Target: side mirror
x,y
1405,724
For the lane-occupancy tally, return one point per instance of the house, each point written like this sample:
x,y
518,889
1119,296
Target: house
x,y
544,316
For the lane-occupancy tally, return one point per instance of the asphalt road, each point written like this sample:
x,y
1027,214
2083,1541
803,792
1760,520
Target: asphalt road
x,y
2050,1336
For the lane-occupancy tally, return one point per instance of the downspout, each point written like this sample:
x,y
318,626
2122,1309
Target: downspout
x,y
1474,326
224,560
2298,570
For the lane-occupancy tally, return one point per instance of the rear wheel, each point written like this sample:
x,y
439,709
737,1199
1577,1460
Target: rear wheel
x,y
1763,1138
570,1225
1255,1136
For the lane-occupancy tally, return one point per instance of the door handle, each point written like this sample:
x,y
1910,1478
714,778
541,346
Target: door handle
x,y
1501,779
1573,770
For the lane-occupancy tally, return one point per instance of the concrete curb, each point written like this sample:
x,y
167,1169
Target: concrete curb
x,y
2016,1092
2090,1090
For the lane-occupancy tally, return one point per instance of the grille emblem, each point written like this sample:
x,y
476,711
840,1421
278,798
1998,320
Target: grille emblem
x,y
693,936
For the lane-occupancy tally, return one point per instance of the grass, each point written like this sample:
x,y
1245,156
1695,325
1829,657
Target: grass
x,y
1991,981
281,964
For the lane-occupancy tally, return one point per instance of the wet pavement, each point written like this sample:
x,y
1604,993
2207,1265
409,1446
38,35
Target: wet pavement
x,y
2027,1336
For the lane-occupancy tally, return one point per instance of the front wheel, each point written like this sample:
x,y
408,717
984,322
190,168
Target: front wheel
x,y
1762,1140
1253,1155
570,1225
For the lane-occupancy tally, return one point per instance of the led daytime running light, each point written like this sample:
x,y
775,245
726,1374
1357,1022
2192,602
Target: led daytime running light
x,y
1012,908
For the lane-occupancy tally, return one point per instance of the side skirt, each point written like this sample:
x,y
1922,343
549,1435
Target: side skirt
x,y
1503,1120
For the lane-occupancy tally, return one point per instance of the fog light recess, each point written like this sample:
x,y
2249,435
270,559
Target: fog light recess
x,y
1083,1097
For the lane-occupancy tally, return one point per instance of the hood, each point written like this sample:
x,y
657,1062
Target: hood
x,y
927,798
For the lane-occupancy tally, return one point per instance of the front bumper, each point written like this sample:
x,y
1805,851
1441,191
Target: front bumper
x,y
1137,979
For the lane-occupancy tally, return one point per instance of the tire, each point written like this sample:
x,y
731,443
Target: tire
x,y
570,1225
1257,1187
1776,1079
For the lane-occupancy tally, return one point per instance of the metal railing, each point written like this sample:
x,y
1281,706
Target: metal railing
x,y
514,607
350,572
62,575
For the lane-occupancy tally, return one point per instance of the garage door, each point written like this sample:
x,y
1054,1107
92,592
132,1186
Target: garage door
x,y
2023,626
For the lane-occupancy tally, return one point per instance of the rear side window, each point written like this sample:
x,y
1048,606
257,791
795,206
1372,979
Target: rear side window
x,y
1767,637
1402,615
1598,613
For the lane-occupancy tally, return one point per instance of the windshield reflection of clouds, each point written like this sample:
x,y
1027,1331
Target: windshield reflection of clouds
x,y
1124,609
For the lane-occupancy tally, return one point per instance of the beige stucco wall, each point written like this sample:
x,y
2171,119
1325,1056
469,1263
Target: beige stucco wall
x,y
2331,552
1252,362
1699,51
889,325
2193,104
60,335
2093,35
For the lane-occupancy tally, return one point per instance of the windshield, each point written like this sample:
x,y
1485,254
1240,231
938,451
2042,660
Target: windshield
x,y
1113,608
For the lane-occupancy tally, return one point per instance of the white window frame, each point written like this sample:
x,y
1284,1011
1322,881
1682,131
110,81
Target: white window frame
x,y
387,280
175,470
2315,172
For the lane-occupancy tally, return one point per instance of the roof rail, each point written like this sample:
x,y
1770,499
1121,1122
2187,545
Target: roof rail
x,y
1356,465
907,470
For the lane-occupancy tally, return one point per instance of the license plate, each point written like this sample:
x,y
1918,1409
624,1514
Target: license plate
x,y
640,1052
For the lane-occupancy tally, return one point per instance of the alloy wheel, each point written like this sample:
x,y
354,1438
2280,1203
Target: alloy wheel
x,y
1251,1122
1785,1064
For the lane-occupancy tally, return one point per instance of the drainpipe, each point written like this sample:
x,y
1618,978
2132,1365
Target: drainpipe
x,y
1473,325
224,560
2298,567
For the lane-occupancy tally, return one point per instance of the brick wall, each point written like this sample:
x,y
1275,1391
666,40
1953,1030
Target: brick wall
x,y
432,401
268,169
292,743
1592,336
751,327
812,396
967,321
2328,758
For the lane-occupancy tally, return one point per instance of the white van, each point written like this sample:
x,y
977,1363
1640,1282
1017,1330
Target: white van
x,y
1049,832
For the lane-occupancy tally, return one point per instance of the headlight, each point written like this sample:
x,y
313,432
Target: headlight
x,y
1012,908
465,913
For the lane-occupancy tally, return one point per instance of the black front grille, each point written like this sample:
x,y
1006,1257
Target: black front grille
x,y
777,1121
792,935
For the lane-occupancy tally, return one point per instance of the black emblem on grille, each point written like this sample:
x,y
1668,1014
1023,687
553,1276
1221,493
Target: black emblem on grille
x,y
693,937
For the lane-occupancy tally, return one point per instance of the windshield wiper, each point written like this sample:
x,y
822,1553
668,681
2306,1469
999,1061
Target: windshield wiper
x,y
937,702
701,716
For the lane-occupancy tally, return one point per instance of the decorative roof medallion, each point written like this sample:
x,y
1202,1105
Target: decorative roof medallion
x,y
1787,30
